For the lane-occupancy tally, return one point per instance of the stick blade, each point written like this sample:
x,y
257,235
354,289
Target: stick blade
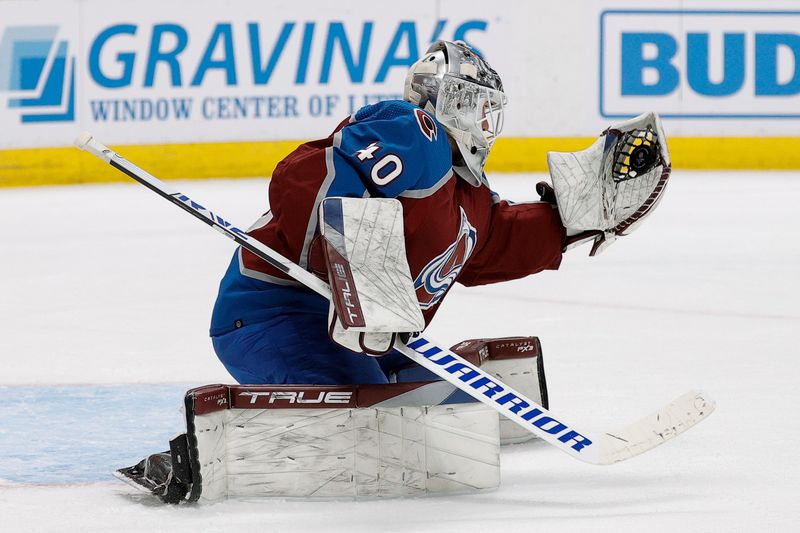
x,y
665,424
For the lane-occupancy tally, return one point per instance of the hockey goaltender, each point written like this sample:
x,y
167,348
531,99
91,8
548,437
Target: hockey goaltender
x,y
341,395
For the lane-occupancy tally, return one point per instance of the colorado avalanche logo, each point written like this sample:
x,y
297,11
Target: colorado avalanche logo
x,y
426,125
437,276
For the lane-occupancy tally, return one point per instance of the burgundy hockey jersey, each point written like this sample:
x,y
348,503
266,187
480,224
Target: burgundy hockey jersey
x,y
453,230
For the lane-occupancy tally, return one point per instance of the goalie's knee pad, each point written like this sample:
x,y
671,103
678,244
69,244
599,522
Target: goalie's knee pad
x,y
335,441
518,363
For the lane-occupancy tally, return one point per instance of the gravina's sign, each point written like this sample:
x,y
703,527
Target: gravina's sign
x,y
208,70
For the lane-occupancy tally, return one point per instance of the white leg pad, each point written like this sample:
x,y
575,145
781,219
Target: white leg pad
x,y
345,452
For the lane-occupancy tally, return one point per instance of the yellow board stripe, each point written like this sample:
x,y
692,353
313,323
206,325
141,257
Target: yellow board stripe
x,y
61,166
687,153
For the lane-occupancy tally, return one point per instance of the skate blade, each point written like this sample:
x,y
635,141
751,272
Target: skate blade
x,y
137,483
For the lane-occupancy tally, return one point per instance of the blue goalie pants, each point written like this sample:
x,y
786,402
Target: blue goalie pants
x,y
294,348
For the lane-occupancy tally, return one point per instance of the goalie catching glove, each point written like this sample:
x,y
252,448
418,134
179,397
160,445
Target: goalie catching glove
x,y
373,293
605,191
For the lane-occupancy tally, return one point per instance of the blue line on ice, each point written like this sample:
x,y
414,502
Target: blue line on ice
x,y
82,433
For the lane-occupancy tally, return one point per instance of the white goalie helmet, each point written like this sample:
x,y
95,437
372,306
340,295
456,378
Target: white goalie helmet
x,y
457,86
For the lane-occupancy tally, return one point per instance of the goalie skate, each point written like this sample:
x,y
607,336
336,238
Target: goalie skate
x,y
164,474
154,476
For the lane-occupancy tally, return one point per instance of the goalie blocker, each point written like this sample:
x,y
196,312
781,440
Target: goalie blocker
x,y
400,439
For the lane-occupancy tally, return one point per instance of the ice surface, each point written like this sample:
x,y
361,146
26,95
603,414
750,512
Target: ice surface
x,y
111,285
80,433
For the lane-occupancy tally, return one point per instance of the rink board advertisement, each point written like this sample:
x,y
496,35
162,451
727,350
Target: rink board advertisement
x,y
208,88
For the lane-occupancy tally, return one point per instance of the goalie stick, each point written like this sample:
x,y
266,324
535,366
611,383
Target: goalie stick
x,y
600,449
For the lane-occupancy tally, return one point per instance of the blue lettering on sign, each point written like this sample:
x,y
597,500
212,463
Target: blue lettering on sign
x,y
697,67
337,34
767,46
170,57
634,64
754,66
305,53
406,31
261,75
224,32
125,58
340,48
140,109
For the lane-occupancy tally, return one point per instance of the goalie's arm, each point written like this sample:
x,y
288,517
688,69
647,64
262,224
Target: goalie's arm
x,y
523,239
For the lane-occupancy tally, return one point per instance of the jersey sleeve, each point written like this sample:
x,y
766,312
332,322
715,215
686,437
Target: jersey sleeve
x,y
394,148
523,239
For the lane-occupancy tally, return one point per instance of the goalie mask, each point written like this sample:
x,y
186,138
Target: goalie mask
x,y
465,94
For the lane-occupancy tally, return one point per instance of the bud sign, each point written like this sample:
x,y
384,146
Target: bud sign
x,y
700,64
